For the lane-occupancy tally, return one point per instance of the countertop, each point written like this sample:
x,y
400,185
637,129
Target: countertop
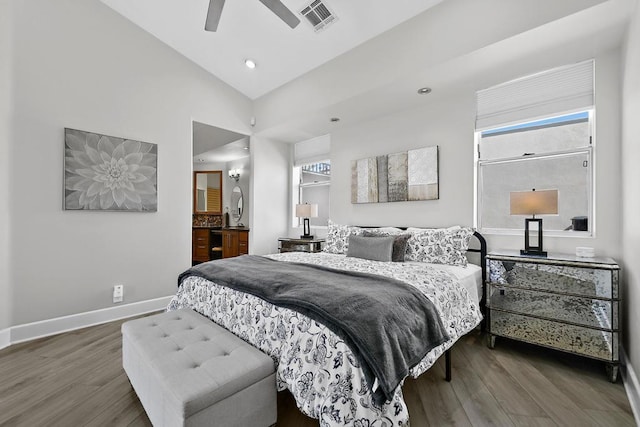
x,y
221,228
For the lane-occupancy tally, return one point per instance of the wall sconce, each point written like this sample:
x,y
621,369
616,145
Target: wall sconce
x,y
532,203
234,174
306,211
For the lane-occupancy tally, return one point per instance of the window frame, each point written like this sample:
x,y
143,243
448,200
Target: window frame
x,y
590,149
298,186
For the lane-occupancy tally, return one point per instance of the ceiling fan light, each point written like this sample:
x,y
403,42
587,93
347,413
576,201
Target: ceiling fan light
x,y
250,63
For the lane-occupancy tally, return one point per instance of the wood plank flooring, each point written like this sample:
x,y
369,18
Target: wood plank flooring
x,y
76,379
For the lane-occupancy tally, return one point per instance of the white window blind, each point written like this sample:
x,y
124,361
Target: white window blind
x,y
563,89
312,150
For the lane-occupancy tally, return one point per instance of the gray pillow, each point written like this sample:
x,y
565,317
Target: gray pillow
x,y
373,248
399,243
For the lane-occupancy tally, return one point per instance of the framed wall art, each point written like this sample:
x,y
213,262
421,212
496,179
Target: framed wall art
x,y
398,177
106,173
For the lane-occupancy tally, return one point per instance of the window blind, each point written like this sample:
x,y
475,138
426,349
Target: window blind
x,y
563,89
312,150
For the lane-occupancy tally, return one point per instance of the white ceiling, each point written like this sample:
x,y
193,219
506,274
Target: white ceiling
x,y
227,153
456,48
247,29
370,62
212,144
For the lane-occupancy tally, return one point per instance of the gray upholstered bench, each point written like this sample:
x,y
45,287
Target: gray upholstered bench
x,y
189,371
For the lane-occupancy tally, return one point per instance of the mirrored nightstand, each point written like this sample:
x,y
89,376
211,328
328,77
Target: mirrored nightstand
x,y
286,244
560,301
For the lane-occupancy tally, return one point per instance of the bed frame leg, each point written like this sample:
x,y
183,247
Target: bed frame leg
x,y
447,364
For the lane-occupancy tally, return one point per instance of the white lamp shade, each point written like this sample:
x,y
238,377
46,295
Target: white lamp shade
x,y
307,211
534,202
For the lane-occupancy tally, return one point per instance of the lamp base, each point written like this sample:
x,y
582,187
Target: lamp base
x,y
529,249
542,254
306,230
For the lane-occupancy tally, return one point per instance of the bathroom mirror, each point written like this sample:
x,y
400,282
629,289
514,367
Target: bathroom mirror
x,y
237,204
207,192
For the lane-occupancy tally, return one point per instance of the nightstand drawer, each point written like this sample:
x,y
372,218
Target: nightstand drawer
x,y
575,339
287,244
201,250
302,247
581,311
591,282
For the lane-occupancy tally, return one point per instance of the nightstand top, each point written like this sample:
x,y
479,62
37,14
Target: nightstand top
x,y
554,258
299,240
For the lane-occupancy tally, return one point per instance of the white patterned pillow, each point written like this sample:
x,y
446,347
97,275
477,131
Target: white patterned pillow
x,y
390,231
439,246
337,241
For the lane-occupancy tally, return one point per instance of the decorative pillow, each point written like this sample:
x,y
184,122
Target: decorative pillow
x,y
337,241
377,248
399,242
389,231
439,246
418,230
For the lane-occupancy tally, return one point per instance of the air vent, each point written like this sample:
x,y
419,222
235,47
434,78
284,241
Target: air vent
x,y
318,15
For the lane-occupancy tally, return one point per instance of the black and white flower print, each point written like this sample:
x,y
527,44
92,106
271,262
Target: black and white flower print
x,y
439,245
314,364
337,241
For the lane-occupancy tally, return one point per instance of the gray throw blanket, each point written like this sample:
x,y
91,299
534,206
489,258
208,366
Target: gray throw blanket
x,y
388,324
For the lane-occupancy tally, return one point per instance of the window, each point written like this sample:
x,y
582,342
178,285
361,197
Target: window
x,y
312,178
554,151
314,182
553,154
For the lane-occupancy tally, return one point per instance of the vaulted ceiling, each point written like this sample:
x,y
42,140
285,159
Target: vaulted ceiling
x,y
247,29
374,57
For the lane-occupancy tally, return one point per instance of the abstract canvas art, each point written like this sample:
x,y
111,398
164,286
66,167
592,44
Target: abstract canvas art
x,y
406,176
108,173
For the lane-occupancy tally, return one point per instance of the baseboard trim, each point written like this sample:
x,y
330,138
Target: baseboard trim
x,y
5,338
45,328
631,384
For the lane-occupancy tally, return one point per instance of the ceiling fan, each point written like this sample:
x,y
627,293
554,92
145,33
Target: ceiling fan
x,y
276,6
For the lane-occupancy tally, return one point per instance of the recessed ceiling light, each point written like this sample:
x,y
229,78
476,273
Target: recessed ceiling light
x,y
335,119
424,90
250,63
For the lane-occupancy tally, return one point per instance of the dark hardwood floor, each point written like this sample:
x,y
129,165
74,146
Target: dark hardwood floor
x,y
76,379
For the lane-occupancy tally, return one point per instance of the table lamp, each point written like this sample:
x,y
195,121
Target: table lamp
x,y
533,203
306,211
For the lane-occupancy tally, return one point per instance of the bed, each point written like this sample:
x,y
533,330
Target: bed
x,y
324,375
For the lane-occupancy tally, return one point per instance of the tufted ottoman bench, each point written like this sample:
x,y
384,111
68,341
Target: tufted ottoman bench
x,y
188,371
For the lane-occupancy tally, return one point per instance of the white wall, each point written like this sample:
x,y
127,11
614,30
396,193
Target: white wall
x,y
244,164
79,64
269,193
5,165
447,120
630,193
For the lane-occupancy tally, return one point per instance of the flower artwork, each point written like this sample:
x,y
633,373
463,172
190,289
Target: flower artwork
x,y
107,173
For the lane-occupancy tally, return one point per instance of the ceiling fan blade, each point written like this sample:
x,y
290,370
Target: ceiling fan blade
x,y
282,11
213,15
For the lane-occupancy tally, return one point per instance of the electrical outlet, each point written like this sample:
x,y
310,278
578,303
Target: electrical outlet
x,y
118,293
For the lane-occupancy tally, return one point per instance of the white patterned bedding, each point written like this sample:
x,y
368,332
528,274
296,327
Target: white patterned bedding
x,y
312,362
